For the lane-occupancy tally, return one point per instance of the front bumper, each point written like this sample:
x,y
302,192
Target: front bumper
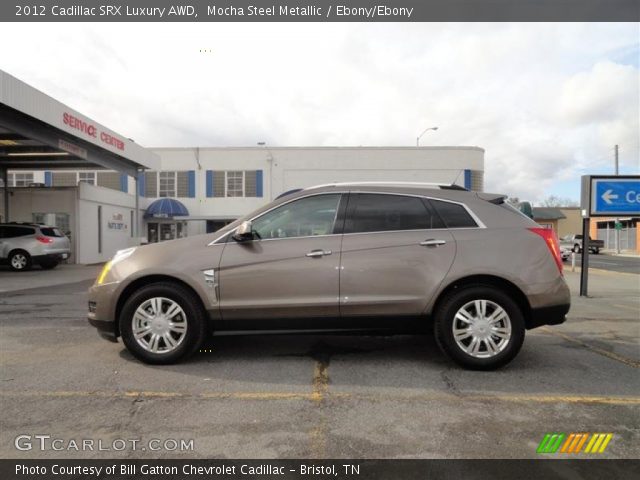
x,y
102,307
106,329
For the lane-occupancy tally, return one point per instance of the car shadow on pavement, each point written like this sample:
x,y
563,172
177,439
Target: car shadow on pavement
x,y
546,365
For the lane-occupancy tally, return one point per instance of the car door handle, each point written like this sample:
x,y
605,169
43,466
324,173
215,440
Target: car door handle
x,y
432,242
318,253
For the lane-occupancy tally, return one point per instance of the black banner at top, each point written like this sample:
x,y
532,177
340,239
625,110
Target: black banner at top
x,y
319,10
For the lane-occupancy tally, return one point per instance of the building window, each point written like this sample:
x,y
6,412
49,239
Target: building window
x,y
20,179
87,177
235,184
167,184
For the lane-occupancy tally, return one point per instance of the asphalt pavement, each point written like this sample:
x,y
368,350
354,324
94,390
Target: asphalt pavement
x,y
318,396
613,263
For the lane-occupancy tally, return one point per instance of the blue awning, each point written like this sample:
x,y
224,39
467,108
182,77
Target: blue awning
x,y
166,208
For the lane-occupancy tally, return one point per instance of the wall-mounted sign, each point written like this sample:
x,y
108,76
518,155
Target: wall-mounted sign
x,y
91,130
117,222
72,149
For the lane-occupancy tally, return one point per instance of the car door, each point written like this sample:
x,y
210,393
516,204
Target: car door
x,y
290,270
395,253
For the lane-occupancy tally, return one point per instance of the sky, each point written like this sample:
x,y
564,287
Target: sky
x,y
547,101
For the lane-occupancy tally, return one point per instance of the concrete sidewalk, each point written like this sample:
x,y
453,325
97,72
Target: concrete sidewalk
x,y
611,295
623,253
606,322
11,281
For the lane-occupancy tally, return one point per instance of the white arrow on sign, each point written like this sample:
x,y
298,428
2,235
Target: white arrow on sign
x,y
607,196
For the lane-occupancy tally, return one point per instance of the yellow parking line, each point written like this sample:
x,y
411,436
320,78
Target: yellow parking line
x,y
313,396
613,356
320,382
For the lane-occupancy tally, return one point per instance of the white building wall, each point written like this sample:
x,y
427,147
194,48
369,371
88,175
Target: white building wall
x,y
116,227
286,168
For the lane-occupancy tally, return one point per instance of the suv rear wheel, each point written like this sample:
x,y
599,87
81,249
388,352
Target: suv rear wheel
x,y
162,323
479,327
19,260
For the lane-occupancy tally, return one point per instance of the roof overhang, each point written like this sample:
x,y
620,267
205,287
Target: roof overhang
x,y
38,132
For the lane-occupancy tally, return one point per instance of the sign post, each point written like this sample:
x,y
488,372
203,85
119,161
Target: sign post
x,y
605,196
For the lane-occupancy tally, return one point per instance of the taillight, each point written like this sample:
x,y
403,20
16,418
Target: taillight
x,y
551,240
45,240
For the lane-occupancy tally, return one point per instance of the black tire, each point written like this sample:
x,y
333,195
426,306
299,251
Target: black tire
x,y
576,249
195,319
596,251
48,264
444,324
20,261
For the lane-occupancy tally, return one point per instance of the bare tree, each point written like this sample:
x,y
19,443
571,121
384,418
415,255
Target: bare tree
x,y
555,201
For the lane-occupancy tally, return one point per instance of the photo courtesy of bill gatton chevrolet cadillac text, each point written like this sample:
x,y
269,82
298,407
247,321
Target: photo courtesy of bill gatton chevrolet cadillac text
x,y
356,257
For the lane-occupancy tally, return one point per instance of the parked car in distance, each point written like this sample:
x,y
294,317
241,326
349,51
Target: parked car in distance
x,y
23,244
565,253
357,257
574,242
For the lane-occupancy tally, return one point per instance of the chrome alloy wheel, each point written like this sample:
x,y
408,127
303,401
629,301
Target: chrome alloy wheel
x,y
19,261
482,328
159,325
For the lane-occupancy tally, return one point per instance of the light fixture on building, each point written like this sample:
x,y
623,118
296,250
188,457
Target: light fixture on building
x,y
38,154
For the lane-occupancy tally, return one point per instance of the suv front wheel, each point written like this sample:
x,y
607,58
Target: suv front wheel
x,y
479,327
162,323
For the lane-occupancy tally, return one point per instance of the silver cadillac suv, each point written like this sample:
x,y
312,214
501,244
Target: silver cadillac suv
x,y
384,258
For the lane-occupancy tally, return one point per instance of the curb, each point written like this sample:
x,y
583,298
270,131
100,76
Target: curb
x,y
603,272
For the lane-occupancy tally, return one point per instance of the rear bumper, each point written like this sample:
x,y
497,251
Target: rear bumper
x,y
51,256
554,315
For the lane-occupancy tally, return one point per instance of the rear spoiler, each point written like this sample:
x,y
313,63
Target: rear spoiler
x,y
495,198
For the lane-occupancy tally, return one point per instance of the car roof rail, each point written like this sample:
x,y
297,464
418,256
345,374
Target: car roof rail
x,y
442,186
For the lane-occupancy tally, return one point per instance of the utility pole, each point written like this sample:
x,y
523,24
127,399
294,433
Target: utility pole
x,y
616,223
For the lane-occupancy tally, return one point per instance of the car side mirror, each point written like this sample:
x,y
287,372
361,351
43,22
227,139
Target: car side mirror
x,y
244,233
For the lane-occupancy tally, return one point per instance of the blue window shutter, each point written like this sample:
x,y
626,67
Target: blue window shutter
x,y
191,189
124,182
259,189
467,179
141,178
48,179
209,183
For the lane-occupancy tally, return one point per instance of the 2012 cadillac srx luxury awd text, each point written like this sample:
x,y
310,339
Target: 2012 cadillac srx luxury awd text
x,y
356,257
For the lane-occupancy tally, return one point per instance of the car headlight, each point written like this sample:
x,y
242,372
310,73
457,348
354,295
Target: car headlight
x,y
118,257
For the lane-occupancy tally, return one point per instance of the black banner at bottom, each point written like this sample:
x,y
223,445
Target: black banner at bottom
x,y
194,469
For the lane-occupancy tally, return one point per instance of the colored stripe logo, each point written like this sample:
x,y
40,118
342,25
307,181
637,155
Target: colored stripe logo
x,y
574,443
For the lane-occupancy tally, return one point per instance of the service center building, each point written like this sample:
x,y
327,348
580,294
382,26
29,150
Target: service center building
x,y
59,167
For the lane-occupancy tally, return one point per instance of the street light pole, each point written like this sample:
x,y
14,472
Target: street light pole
x,y
616,221
425,131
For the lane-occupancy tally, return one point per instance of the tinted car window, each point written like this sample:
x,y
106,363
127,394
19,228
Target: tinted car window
x,y
51,232
382,213
306,217
454,215
13,232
